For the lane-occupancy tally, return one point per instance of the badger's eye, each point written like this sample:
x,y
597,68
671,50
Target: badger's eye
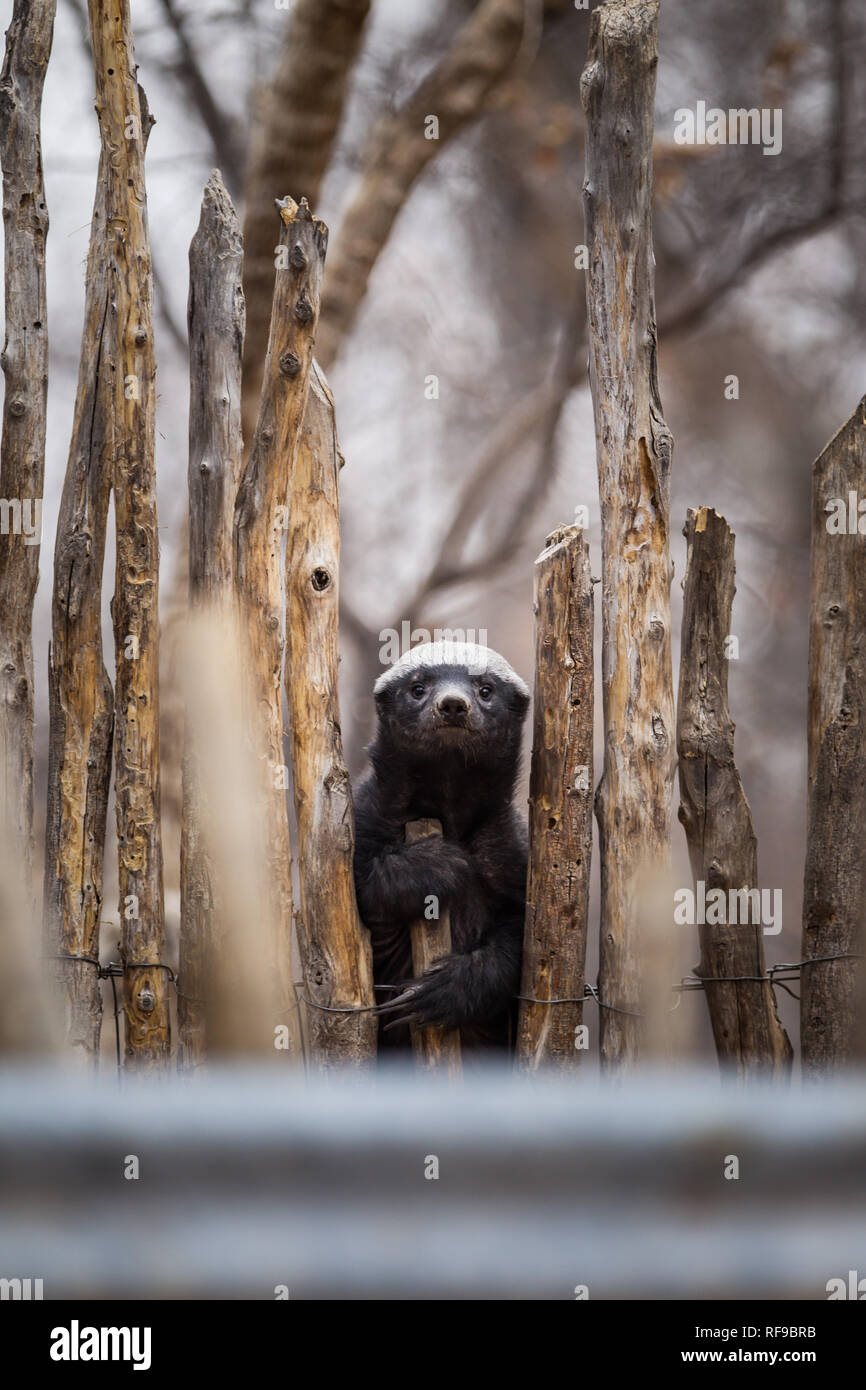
x,y
417,690
485,691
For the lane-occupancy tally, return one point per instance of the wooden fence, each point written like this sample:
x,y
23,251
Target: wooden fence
x,y
263,598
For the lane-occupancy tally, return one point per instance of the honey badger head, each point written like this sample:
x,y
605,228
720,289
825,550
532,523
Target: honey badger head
x,y
452,697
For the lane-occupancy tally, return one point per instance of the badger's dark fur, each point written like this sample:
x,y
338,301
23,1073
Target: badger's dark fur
x,y
447,747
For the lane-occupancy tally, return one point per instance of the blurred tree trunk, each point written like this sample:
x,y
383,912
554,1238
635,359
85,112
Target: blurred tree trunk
x,y
295,123
634,449
714,811
216,337
22,448
260,519
834,892
334,945
130,403
560,802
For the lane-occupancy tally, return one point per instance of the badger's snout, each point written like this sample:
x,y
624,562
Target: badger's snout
x,y
452,707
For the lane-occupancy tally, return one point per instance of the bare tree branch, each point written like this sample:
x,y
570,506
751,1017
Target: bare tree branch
x,y
403,144
218,125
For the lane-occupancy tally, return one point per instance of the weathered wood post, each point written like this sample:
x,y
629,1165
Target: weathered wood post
x,y
715,813
261,516
216,337
81,699
22,447
634,449
560,800
334,946
435,1049
130,405
834,895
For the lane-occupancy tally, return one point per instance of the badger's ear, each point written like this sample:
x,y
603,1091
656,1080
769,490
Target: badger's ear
x,y
519,701
383,699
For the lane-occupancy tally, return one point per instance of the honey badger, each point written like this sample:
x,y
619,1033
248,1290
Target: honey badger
x,y
447,747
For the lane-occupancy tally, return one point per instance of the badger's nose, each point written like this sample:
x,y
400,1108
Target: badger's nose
x,y
452,706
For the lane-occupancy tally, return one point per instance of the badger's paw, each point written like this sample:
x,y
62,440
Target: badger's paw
x,y
438,998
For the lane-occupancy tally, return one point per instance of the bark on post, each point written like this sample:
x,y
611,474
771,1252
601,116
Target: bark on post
x,y
714,811
334,945
293,135
130,433
216,337
260,520
835,877
435,1049
560,800
400,148
634,447
81,699
22,448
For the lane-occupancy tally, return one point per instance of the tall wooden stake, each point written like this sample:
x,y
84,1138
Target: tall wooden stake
x,y
261,515
22,447
714,811
834,894
130,437
560,800
334,945
634,448
81,699
216,338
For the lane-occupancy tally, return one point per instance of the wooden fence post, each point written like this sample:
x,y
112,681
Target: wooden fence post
x,y
835,877
216,338
634,449
560,801
22,449
334,945
714,811
435,1049
81,699
261,516
130,431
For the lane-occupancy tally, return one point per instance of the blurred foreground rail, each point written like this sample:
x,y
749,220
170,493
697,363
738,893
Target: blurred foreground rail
x,y
249,1180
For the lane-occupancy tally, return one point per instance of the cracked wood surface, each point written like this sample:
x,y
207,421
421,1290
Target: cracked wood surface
x,y
714,811
334,945
634,448
831,1007
560,804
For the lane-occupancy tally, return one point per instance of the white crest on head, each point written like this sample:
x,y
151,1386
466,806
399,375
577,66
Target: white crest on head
x,y
477,660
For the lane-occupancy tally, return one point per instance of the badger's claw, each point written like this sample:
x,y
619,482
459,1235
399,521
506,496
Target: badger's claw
x,y
426,1002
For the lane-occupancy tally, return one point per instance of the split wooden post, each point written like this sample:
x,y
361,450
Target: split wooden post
x,y
560,801
715,813
435,1049
22,448
216,338
634,449
130,429
834,892
334,945
261,517
81,698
